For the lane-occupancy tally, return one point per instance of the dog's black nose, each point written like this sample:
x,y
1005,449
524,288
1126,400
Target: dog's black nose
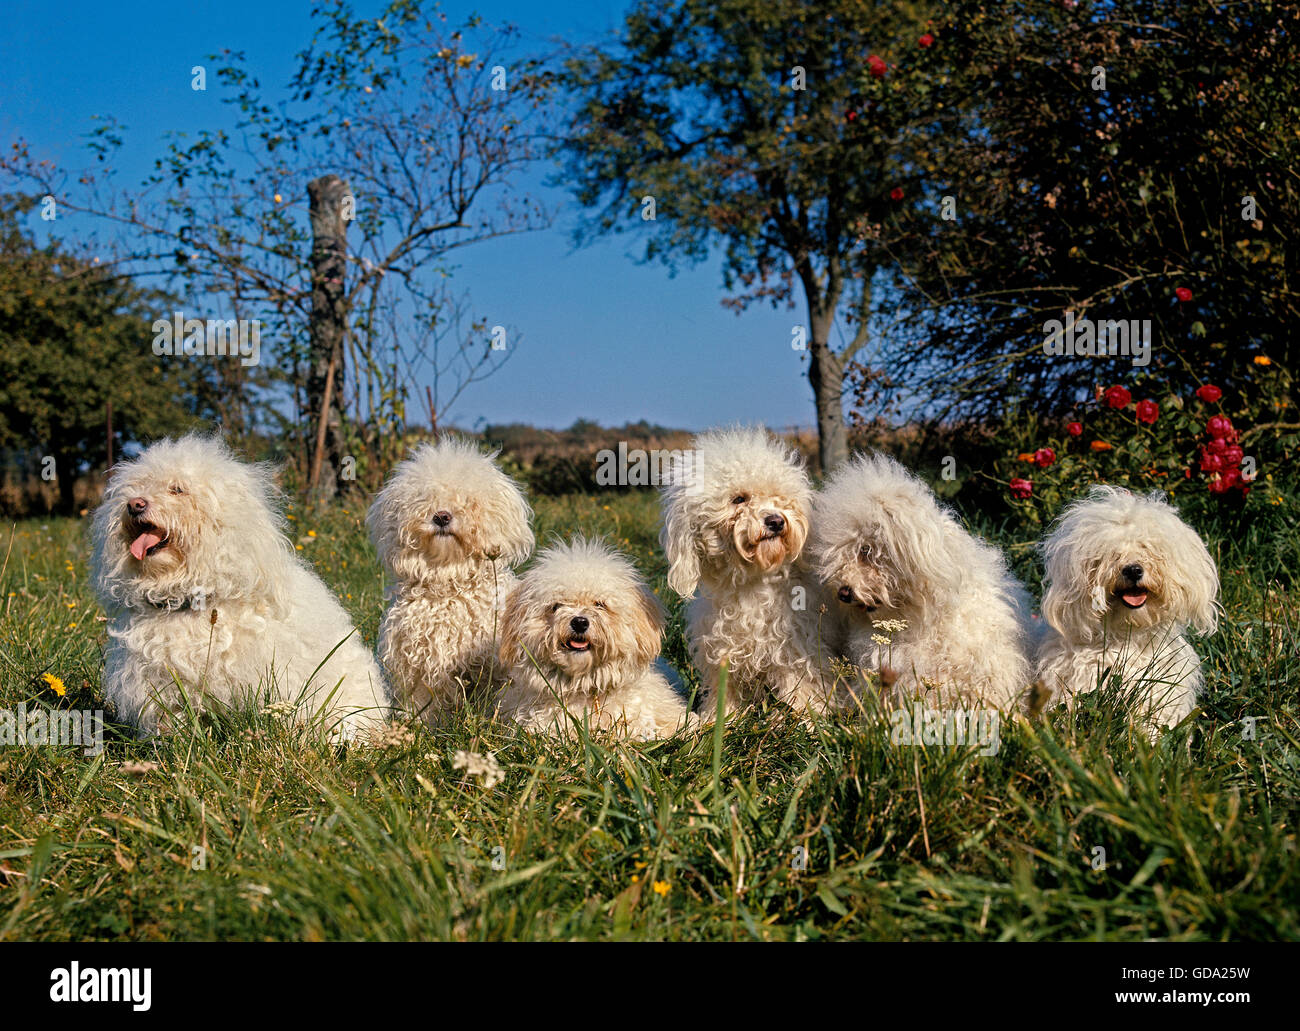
x,y
774,522
136,506
441,518
1133,572
579,624
845,594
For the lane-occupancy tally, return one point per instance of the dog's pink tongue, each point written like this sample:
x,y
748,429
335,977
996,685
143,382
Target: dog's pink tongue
x,y
143,543
1134,599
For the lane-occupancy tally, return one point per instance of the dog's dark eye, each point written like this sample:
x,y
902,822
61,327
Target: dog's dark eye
x,y
601,605
555,607
864,552
177,489
740,499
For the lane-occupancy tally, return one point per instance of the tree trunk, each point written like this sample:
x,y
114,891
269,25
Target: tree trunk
x,y
826,374
66,481
327,326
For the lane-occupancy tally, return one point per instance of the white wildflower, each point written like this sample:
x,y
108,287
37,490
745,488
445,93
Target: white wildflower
x,y
479,765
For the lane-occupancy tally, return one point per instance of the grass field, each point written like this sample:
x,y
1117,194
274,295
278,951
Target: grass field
x,y
242,827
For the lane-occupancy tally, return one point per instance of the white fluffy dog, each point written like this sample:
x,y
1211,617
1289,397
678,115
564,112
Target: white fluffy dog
x,y
736,517
581,635
203,587
1126,578
448,526
891,552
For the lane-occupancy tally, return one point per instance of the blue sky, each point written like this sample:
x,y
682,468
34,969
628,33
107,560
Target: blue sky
x,y
603,336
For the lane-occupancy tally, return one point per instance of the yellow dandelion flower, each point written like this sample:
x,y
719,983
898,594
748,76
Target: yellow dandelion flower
x,y
56,685
311,533
661,887
1263,359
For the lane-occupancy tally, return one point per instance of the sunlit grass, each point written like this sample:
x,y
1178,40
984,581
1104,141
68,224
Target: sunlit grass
x,y
241,826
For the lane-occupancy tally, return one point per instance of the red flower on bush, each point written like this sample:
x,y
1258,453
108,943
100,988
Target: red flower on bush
x,y
1147,412
1217,447
876,66
896,193
1220,427
1074,429
926,40
850,116
1021,488
1208,393
1044,457
1117,397
1233,455
1210,462
1225,481
1183,294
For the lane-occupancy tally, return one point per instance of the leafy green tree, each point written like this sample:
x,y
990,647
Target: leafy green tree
x,y
776,130
74,338
1126,159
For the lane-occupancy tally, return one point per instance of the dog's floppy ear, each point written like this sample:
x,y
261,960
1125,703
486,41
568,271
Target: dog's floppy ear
x,y
647,626
1200,586
508,650
681,548
1072,606
515,542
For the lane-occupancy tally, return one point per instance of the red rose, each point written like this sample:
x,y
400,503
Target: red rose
x,y
1210,462
1208,393
1225,481
896,193
927,40
1217,447
849,116
1232,455
1117,397
1021,488
1183,294
1220,427
1074,429
876,66
1147,412
1044,457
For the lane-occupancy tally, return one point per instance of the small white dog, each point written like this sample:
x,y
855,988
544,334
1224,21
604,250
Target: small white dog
x,y
581,635
893,554
1126,578
736,517
449,525
203,587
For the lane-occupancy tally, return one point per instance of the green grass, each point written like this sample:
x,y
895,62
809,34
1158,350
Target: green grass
x,y
247,828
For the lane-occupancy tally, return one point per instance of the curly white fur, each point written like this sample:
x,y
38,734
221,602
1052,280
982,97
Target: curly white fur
x,y
1126,578
581,635
889,551
449,526
203,587
759,607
